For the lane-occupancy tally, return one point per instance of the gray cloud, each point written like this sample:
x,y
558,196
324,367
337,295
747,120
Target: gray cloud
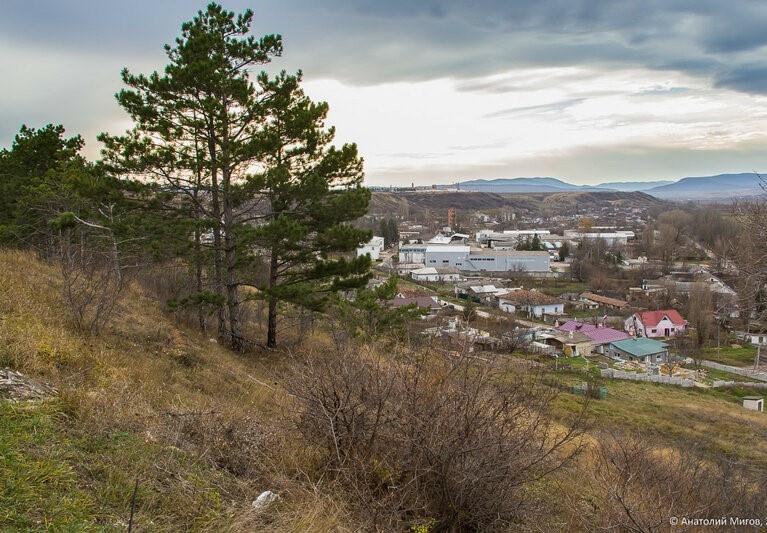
x,y
403,40
368,42
747,78
536,109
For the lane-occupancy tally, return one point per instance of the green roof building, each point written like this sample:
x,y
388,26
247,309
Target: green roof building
x,y
639,349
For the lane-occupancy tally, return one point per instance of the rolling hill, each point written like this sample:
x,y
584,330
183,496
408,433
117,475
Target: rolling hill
x,y
633,186
523,185
710,187
152,426
407,203
703,188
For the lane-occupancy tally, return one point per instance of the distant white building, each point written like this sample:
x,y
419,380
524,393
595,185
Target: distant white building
x,y
466,259
446,255
507,261
412,254
753,338
435,274
439,239
449,238
373,248
532,302
611,238
508,238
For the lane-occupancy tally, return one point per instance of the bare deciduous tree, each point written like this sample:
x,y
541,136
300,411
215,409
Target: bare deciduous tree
x,y
751,258
91,267
700,317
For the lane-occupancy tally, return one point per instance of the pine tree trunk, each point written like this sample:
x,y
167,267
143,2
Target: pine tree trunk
x,y
198,277
271,332
218,259
237,341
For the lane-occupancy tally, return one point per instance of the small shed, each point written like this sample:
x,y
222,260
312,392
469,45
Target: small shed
x,y
570,343
754,403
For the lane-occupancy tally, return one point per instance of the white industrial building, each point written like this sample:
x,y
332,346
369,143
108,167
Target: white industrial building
x,y
508,238
465,259
507,261
373,248
611,238
412,253
446,255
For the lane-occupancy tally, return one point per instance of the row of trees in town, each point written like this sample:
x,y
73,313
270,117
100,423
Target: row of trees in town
x,y
389,231
233,176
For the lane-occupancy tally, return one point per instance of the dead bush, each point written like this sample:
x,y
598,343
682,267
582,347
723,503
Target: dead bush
x,y
93,284
641,486
444,439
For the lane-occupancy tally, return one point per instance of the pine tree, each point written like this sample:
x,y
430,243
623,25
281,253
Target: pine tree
x,y
24,168
244,172
312,191
393,231
535,244
196,136
383,229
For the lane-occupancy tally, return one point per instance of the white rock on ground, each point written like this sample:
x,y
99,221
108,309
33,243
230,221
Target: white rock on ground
x,y
264,499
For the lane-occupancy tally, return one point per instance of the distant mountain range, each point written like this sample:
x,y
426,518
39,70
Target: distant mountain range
x,y
719,187
523,185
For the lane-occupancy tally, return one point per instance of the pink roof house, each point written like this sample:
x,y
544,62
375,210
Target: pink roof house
x,y
600,336
665,323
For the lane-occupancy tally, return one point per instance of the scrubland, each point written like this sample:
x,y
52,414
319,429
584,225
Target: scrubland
x,y
155,427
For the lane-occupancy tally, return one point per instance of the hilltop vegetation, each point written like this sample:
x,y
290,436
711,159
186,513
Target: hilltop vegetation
x,y
144,401
413,204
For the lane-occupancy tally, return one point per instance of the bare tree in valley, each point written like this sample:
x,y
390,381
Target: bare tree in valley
x,y
671,228
700,317
751,259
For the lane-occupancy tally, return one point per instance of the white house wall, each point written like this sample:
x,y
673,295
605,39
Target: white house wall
x,y
549,309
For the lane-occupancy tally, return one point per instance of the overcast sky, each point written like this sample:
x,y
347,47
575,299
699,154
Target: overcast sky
x,y
439,91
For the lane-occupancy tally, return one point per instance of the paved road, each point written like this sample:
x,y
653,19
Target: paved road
x,y
747,372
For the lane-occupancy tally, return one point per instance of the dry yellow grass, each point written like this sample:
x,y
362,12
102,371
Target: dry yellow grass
x,y
198,425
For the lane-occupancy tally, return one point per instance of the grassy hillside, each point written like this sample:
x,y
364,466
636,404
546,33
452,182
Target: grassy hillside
x,y
145,401
198,432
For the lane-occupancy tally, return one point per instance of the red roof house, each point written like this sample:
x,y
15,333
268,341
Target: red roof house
x,y
665,323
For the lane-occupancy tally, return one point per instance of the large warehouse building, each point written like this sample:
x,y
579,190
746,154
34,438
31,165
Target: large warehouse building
x,y
465,259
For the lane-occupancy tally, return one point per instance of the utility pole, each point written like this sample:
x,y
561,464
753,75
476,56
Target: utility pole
x,y
756,358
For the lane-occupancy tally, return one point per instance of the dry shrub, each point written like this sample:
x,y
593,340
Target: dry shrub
x,y
92,288
639,486
447,439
